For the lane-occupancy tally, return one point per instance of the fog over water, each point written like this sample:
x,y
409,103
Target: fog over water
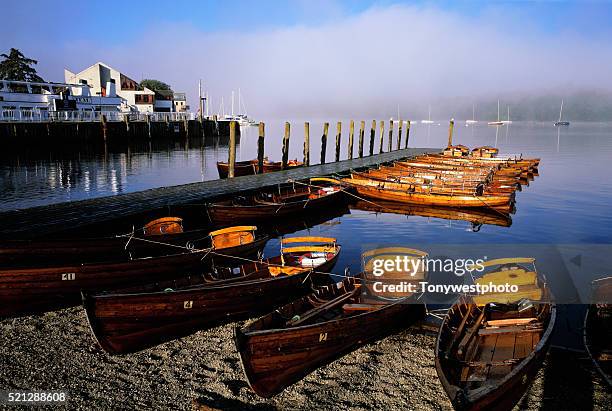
x,y
363,64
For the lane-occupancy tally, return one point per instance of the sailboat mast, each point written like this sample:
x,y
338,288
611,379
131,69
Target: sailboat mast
x,y
239,107
497,110
561,111
473,112
232,103
429,117
508,113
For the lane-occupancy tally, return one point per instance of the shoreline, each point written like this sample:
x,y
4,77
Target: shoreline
x,y
56,351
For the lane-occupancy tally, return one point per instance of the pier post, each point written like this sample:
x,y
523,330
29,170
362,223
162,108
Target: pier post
x,y
399,134
306,143
451,127
361,135
324,142
232,149
286,145
186,125
148,125
338,138
351,137
104,127
372,136
407,132
260,147
390,145
382,135
126,119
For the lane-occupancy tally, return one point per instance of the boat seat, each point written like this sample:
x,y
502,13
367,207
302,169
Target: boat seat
x,y
507,330
360,307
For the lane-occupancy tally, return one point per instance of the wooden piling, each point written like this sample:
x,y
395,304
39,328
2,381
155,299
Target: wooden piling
x,y
260,146
126,119
407,132
306,143
104,126
186,127
351,136
232,149
399,134
390,145
324,142
338,138
148,125
451,128
285,159
372,137
361,135
382,135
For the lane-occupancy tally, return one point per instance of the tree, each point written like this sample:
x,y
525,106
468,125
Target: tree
x,y
16,66
155,85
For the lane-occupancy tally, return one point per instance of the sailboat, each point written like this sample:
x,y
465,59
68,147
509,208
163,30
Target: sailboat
x,y
507,121
429,120
473,120
242,119
498,122
561,122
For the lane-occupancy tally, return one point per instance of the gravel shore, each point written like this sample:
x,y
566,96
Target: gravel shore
x,y
55,351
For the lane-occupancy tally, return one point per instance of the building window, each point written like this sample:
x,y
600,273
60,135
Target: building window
x,y
143,98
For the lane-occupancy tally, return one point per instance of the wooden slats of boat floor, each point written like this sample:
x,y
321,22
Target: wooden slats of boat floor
x,y
494,354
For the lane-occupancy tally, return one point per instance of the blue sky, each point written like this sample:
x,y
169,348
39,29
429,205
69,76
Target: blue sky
x,y
321,55
99,20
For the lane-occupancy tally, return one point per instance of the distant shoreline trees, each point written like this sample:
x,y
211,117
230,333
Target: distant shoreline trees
x,y
18,67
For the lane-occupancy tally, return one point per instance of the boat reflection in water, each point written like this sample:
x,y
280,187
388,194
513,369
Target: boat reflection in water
x,y
478,217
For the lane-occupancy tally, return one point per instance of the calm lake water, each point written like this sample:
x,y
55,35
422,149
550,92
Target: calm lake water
x,y
559,216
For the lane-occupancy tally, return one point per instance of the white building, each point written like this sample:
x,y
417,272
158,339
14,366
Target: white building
x,y
106,81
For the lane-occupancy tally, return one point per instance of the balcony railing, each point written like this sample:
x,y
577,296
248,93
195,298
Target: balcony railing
x,y
35,116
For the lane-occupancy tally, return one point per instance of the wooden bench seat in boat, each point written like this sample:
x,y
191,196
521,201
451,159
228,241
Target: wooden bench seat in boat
x,y
360,307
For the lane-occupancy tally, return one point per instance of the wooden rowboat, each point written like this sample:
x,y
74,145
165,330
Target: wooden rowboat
x,y
132,319
387,191
282,347
285,200
286,345
250,167
598,328
160,237
490,347
36,289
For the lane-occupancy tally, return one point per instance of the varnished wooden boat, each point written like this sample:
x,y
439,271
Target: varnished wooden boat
x,y
35,289
466,187
250,167
160,237
456,151
285,200
286,345
131,319
485,152
490,346
598,328
476,216
390,191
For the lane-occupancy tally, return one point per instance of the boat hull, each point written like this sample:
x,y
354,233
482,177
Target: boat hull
x,y
221,214
129,323
32,290
275,359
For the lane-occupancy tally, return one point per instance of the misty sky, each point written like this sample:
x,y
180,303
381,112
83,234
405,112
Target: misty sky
x,y
326,58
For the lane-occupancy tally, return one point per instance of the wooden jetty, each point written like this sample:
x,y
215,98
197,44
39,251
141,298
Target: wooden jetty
x,y
44,220
129,127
